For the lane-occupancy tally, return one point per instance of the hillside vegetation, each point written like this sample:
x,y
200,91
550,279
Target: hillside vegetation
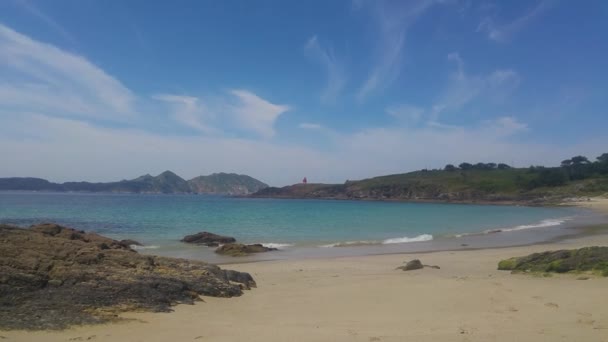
x,y
166,182
483,182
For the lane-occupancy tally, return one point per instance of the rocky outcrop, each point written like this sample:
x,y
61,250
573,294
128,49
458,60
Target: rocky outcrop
x,y
411,265
586,260
416,265
207,239
52,277
239,249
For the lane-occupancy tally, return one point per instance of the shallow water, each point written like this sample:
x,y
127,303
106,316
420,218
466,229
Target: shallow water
x,y
299,227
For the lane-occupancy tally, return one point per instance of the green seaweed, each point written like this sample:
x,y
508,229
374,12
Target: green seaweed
x,y
592,260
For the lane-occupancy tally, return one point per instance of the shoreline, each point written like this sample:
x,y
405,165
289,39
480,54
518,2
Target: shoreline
x,y
363,298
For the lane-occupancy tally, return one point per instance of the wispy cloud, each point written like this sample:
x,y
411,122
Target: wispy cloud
x,y
39,76
504,32
461,89
312,126
44,17
253,113
188,110
335,71
392,21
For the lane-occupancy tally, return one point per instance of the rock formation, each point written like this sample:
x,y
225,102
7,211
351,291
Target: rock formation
x,y
208,239
239,249
52,277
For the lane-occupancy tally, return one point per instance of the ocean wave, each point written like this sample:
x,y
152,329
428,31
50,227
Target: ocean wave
x,y
352,244
542,224
144,247
405,239
276,245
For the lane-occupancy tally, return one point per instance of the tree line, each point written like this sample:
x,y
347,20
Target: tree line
x,y
575,168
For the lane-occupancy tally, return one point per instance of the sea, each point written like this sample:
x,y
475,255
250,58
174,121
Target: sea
x,y
298,228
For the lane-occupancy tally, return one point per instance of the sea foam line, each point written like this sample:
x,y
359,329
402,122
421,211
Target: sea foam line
x,y
405,239
542,224
136,247
276,245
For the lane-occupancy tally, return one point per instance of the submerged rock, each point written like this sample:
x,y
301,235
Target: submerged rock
x,y
208,239
239,249
52,277
587,259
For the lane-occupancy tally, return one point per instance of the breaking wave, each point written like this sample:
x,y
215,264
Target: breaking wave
x,y
405,239
541,224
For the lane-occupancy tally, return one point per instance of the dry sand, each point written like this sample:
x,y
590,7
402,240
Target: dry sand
x,y
366,299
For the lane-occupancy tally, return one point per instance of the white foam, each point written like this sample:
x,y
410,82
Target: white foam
x,y
541,224
144,247
276,245
405,239
351,244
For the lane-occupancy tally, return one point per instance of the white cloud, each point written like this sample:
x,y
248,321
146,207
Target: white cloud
x,y
393,23
39,76
504,32
253,113
307,125
335,72
66,149
462,88
188,110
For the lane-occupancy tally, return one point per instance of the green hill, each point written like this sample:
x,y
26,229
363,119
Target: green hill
x,y
467,183
226,183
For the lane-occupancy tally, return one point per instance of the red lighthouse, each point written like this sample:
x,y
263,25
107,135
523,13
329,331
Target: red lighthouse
x,y
304,181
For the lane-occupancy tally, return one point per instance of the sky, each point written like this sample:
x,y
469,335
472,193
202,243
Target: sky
x,y
101,90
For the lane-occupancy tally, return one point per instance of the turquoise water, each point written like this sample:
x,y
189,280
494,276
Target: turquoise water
x,y
161,220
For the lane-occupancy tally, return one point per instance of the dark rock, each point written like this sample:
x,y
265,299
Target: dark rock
x,y
411,265
208,239
240,277
239,249
433,266
128,243
52,277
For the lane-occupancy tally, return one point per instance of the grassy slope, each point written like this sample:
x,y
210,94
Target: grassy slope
x,y
469,185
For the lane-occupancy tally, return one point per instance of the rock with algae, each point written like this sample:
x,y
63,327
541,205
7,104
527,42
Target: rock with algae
x,y
52,277
586,260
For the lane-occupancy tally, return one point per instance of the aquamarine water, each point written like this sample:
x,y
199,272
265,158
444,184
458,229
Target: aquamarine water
x,y
161,220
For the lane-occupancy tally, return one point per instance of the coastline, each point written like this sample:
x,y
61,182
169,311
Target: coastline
x,y
364,298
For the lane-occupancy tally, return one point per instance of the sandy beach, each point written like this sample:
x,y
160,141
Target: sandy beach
x,y
366,299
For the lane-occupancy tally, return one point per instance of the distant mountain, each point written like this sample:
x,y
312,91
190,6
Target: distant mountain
x,y
166,182
226,183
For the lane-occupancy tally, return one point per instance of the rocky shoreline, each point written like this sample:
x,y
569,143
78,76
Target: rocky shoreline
x,y
53,277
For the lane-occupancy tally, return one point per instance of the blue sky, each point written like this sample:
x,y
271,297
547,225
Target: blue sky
x,y
332,90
